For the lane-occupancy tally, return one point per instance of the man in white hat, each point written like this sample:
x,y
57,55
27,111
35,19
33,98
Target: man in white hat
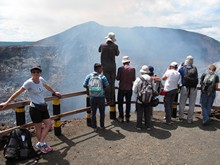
x,y
143,109
189,80
171,78
108,52
125,76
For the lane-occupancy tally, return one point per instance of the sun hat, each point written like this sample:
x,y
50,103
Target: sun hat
x,y
144,69
36,68
125,59
189,59
110,37
174,64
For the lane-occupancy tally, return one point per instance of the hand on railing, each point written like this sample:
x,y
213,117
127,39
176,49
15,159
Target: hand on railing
x,y
3,105
57,94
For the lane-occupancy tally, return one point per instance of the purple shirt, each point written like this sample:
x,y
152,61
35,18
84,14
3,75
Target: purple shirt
x,y
126,76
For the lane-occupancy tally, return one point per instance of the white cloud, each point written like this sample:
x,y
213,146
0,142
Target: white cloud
x,y
38,19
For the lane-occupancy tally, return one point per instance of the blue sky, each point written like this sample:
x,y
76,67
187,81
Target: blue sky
x,y
32,20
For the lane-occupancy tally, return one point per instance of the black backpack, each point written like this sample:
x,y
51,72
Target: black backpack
x,y
19,146
191,76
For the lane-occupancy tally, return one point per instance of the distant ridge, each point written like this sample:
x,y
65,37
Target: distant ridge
x,y
2,43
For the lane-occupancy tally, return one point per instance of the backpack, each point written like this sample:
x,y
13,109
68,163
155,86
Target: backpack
x,y
19,146
95,85
145,94
208,83
191,76
158,84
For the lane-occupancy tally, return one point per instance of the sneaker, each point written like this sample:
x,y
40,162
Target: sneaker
x,y
38,146
189,121
47,148
102,127
95,129
180,119
148,128
138,128
43,150
169,123
204,123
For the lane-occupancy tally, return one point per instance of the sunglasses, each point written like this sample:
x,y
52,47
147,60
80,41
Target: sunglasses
x,y
35,72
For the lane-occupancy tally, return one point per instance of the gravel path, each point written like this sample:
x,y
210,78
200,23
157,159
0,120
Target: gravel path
x,y
121,143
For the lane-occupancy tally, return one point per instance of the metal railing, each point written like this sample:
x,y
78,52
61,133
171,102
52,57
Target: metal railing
x,y
56,117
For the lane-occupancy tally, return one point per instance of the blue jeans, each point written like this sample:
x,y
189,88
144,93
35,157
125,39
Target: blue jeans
x,y
168,103
127,94
98,102
206,104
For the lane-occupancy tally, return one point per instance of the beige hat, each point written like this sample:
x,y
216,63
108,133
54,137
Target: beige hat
x,y
125,59
144,69
189,60
110,37
189,57
174,64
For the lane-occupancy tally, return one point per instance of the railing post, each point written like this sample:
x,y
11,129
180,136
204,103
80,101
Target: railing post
x,y
57,122
20,115
112,110
88,113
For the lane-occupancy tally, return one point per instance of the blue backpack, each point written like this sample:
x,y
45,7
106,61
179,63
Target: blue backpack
x,y
95,85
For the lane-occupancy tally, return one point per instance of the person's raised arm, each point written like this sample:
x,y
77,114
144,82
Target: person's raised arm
x,y
52,91
13,96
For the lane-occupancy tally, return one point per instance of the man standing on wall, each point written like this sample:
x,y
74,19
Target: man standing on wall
x,y
108,52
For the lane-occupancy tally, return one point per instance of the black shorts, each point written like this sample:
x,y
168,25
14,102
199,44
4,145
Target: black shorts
x,y
38,116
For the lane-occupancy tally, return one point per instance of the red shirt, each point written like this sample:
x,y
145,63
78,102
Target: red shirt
x,y
126,76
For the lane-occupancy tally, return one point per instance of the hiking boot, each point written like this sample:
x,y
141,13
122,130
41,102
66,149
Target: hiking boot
x,y
47,148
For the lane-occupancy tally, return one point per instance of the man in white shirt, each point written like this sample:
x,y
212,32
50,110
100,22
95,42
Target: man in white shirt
x,y
171,78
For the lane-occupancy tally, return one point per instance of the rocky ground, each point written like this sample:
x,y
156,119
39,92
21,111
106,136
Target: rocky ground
x,y
121,143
